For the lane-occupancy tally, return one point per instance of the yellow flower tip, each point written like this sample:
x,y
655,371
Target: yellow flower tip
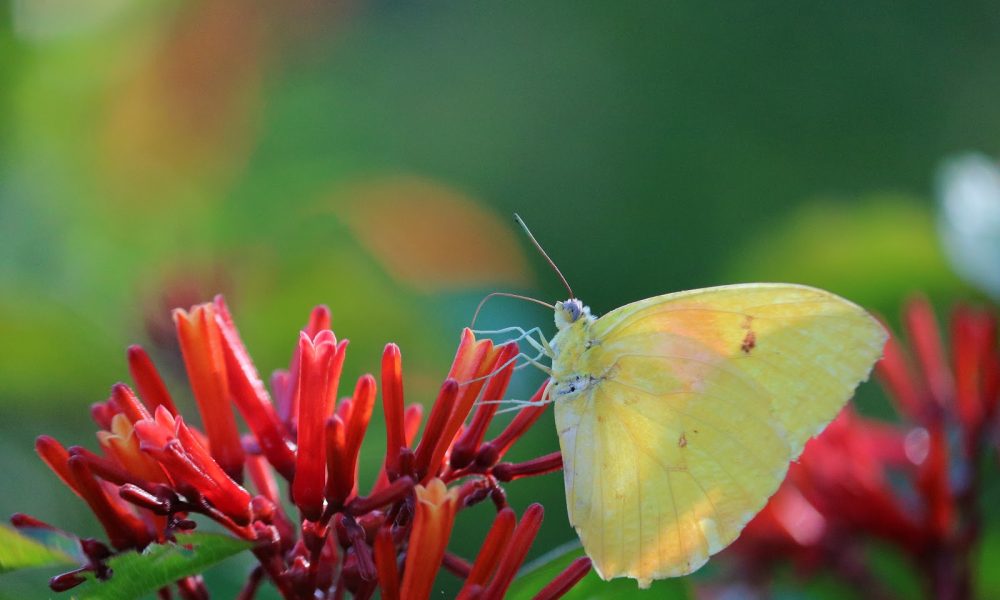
x,y
104,438
193,315
121,426
435,493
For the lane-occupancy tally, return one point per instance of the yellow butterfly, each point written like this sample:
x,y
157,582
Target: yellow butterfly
x,y
678,415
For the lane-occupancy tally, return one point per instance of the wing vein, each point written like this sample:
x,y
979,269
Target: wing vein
x,y
726,432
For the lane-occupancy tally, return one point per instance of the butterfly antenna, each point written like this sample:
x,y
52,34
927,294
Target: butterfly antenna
x,y
475,315
552,263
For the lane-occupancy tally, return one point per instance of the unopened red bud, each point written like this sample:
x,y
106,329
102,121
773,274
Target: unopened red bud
x,y
20,520
141,497
487,456
185,524
66,581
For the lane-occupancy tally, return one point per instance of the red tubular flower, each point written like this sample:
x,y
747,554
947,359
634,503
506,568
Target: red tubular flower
x,y
288,408
320,362
565,581
57,458
490,452
148,381
156,474
926,342
189,464
122,444
845,472
392,404
410,423
492,548
342,465
468,443
127,403
433,518
976,362
201,345
515,552
474,361
444,406
124,529
251,397
897,377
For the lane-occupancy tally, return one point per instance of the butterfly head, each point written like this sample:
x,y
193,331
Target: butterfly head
x,y
569,312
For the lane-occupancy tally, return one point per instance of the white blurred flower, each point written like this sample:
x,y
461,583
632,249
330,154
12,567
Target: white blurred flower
x,y
969,219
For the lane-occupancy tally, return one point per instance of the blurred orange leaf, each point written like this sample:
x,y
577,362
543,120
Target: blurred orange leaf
x,y
430,236
189,108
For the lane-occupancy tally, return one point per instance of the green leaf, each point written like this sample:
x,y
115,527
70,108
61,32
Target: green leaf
x,y
831,244
18,551
543,570
137,574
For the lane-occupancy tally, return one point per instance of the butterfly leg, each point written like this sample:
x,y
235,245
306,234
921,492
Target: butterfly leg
x,y
521,333
530,360
521,404
546,398
533,360
542,345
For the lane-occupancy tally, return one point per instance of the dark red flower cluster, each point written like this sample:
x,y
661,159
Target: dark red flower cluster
x,y
155,470
914,485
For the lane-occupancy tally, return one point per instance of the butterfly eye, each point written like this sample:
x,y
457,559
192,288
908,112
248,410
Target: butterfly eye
x,y
574,308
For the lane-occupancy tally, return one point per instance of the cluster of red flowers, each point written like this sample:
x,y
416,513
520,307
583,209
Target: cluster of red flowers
x,y
913,485
155,470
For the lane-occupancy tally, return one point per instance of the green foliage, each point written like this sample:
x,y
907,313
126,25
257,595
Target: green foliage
x,y
892,569
18,551
539,573
874,251
137,574
987,554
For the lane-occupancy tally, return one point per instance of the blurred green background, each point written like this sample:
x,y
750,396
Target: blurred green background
x,y
368,155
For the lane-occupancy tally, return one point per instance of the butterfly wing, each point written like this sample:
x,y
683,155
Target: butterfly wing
x,y
696,404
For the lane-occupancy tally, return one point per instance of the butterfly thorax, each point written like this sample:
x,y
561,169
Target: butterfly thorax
x,y
569,377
